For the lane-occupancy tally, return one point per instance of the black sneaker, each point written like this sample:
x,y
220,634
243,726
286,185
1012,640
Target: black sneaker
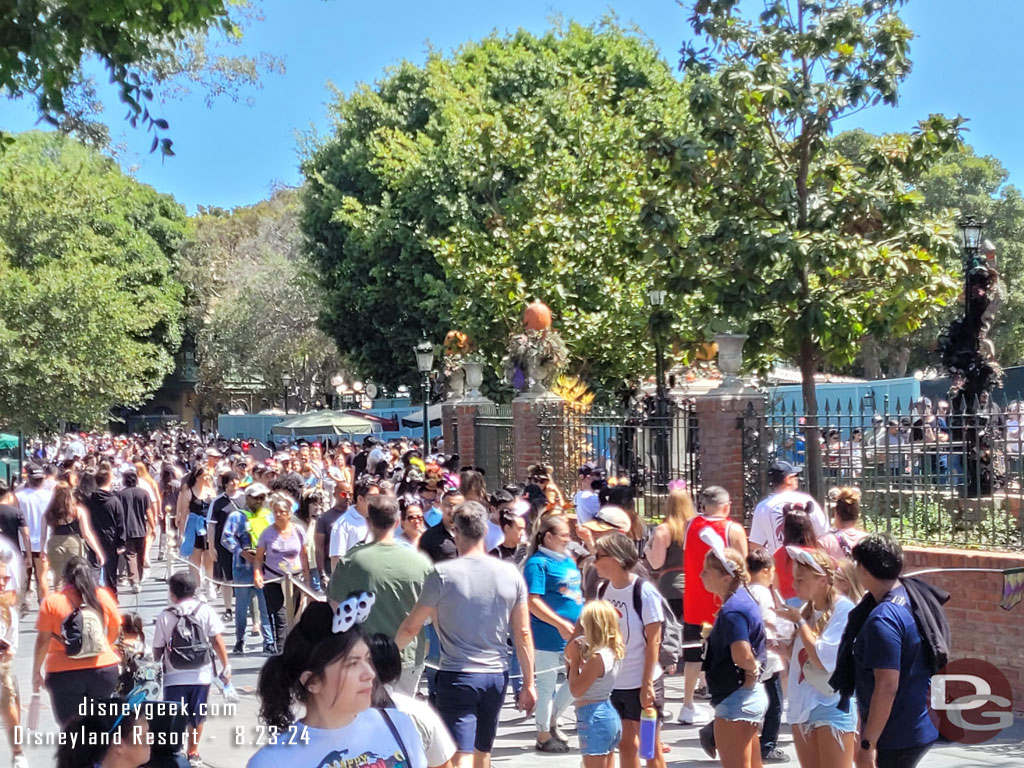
x,y
774,755
269,649
239,649
707,740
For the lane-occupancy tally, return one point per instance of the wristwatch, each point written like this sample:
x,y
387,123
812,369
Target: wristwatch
x,y
866,745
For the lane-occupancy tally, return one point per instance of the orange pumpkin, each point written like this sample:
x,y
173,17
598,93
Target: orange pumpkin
x,y
706,351
537,316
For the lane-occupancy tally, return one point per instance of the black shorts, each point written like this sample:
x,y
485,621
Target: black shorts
x,y
627,701
201,542
691,634
223,565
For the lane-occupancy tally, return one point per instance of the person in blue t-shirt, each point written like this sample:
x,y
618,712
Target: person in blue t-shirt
x,y
555,592
892,676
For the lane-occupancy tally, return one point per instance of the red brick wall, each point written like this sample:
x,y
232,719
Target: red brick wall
x,y
981,629
465,416
526,431
721,444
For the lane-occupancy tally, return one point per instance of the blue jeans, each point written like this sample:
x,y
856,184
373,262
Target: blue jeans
x,y
433,659
243,596
773,716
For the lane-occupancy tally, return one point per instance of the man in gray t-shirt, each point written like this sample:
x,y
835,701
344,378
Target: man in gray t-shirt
x,y
475,599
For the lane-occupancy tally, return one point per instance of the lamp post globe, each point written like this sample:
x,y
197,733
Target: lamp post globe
x,y
425,364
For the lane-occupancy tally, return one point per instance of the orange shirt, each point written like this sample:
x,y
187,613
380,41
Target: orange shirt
x,y
57,607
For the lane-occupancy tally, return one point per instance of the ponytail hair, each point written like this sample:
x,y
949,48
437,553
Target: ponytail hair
x,y
310,647
78,574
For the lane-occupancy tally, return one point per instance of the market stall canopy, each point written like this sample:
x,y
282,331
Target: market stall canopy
x,y
8,442
317,423
416,419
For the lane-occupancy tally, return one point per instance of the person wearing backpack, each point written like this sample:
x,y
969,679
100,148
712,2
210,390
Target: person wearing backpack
x,y
640,683
187,635
77,631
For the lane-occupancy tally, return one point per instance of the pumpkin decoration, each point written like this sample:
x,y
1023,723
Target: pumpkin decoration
x,y
707,351
456,342
537,316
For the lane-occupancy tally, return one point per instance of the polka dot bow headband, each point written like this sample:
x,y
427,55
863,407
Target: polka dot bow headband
x,y
354,610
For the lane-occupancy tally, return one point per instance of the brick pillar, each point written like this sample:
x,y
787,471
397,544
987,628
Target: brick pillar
x,y
719,420
448,430
527,425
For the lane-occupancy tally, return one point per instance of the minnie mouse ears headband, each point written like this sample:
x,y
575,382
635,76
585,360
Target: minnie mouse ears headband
x,y
354,610
710,537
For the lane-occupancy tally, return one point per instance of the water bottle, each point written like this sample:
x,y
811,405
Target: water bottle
x,y
33,711
648,733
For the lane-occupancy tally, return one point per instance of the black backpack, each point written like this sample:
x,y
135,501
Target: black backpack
x,y
188,646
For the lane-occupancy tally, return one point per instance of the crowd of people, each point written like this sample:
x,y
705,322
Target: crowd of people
x,y
397,599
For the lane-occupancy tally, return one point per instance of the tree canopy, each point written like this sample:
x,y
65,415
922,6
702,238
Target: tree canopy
x,y
252,305
89,304
811,250
450,195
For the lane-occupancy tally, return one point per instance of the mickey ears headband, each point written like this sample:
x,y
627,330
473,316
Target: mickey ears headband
x,y
354,610
710,537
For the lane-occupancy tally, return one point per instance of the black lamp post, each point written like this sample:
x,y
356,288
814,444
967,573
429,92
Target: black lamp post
x,y
425,364
286,379
657,299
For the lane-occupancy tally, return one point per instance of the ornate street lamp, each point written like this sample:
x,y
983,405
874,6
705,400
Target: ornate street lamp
x,y
657,299
286,379
425,364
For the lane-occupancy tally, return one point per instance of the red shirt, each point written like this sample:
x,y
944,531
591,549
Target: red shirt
x,y
699,605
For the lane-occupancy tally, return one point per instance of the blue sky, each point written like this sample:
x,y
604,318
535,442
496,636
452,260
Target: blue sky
x,y
967,59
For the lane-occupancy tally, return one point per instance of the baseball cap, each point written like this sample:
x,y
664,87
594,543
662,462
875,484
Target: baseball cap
x,y
257,489
35,472
610,519
781,469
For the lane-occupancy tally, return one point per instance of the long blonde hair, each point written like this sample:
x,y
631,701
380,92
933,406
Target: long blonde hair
x,y
848,570
680,512
827,565
600,623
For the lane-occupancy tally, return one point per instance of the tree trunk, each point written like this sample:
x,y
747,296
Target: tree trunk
x,y
869,353
900,360
812,443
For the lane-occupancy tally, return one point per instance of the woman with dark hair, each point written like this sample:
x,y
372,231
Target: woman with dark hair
x,y
195,497
413,522
513,526
69,531
326,668
90,670
555,600
105,741
797,531
170,489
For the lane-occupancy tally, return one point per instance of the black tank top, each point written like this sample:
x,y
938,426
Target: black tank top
x,y
68,529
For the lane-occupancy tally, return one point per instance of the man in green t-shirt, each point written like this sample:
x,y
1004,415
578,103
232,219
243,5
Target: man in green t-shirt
x,y
394,573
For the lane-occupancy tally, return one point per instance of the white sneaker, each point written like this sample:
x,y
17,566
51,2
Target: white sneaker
x,y
686,716
136,588
19,761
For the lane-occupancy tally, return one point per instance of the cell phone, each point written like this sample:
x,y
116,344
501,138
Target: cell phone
x,y
779,600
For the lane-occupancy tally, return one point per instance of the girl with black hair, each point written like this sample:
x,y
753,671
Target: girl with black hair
x,y
193,502
105,741
327,668
93,673
797,531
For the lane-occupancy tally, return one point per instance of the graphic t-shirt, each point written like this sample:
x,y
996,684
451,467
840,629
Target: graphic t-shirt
x,y
282,552
631,675
889,640
803,697
556,579
366,742
766,526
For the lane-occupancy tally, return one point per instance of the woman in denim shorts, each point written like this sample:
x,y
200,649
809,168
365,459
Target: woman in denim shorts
x,y
594,661
824,735
735,656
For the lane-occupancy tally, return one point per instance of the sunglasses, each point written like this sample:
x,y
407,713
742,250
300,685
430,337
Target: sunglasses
x,y
415,518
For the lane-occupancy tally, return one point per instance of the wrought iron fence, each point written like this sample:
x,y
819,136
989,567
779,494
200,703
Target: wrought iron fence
x,y
927,475
494,445
648,449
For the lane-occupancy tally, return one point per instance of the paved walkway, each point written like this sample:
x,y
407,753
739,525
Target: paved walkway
x,y
229,740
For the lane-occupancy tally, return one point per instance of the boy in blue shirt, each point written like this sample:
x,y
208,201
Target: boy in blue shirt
x,y
892,676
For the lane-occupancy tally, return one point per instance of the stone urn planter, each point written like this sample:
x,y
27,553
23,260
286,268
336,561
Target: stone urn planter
x,y
457,383
730,359
474,378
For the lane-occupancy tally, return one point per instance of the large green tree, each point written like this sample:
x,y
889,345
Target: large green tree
x,y
144,47
252,304
89,305
452,194
812,251
967,183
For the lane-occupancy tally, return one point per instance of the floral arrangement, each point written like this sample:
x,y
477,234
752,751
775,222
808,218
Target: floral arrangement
x,y
536,355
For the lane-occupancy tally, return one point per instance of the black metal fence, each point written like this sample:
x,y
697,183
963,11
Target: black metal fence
x,y
648,450
927,475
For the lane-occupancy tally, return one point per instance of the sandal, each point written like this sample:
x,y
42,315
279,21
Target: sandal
x,y
552,746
